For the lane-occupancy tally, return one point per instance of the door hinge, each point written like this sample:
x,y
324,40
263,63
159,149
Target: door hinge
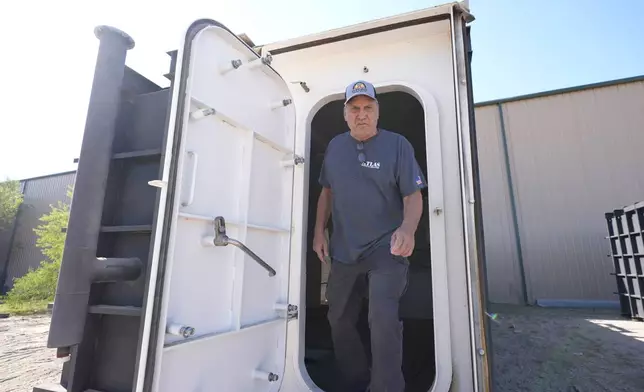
x,y
287,311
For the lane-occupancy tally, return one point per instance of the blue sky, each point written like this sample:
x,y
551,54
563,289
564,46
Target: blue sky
x,y
527,46
520,47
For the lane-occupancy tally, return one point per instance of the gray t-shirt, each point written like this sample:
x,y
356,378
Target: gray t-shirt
x,y
368,196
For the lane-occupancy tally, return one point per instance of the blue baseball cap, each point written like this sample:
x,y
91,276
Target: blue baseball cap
x,y
359,87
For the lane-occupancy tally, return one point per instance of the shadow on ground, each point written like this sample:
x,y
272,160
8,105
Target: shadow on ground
x,y
548,350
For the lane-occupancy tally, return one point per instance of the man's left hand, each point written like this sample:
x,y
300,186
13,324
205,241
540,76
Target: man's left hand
x,y
402,242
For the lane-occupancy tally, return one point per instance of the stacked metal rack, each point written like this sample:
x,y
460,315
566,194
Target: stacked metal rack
x,y
626,235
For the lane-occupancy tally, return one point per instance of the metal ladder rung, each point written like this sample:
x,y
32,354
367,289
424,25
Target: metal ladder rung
x,y
114,310
137,154
127,229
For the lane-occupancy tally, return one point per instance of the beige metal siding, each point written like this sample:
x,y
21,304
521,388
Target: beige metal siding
x,y
500,247
39,194
573,157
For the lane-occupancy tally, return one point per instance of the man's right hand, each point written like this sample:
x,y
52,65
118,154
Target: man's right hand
x,y
321,246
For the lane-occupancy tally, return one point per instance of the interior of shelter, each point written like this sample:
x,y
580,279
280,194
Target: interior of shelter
x,y
400,112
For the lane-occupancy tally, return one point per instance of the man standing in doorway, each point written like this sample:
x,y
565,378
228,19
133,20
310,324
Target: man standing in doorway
x,y
371,188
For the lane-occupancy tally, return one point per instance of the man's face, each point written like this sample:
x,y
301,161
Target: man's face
x,y
361,113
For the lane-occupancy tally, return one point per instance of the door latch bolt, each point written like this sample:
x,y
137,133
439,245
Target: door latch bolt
x,y
201,113
265,60
180,330
281,104
290,310
268,376
293,161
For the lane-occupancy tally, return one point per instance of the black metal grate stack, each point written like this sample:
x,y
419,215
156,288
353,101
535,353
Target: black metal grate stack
x,y
626,235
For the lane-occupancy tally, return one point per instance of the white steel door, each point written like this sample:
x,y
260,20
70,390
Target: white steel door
x,y
223,263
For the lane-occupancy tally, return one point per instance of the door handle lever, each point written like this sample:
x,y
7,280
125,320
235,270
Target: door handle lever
x,y
222,239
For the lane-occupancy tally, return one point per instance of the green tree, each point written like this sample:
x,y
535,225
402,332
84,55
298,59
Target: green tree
x,y
10,199
51,234
32,291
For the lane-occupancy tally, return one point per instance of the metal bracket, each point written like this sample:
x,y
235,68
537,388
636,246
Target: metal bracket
x,y
265,60
235,63
303,85
288,310
293,161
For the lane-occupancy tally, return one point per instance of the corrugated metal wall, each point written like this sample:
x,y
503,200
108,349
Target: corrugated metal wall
x,y
39,194
572,157
504,276
5,244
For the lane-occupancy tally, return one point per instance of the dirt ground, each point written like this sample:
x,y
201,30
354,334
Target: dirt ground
x,y
561,350
535,349
25,360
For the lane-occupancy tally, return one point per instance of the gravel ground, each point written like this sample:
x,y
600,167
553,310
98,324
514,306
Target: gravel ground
x,y
535,349
561,350
25,360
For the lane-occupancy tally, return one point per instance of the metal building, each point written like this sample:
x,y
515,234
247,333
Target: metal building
x,y
551,165
20,253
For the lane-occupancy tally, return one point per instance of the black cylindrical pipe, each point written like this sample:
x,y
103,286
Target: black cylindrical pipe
x,y
72,293
116,269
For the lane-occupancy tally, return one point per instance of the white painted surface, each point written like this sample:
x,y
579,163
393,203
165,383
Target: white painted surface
x,y
418,60
220,291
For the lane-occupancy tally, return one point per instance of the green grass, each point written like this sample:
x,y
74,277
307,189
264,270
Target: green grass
x,y
32,292
24,308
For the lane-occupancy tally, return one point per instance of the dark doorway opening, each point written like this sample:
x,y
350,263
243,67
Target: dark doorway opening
x,y
402,113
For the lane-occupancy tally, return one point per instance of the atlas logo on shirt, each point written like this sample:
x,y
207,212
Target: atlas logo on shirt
x,y
371,165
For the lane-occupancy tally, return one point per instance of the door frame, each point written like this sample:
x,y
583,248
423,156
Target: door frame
x,y
434,160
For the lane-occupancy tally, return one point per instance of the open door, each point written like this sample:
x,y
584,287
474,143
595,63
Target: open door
x,y
217,309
